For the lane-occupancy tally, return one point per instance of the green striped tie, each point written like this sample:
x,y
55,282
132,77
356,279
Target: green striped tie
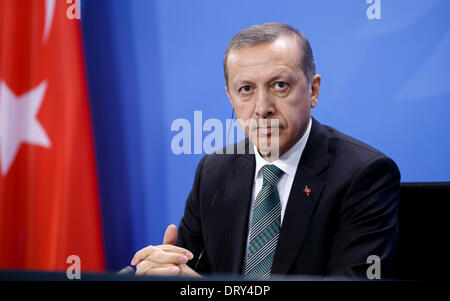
x,y
265,226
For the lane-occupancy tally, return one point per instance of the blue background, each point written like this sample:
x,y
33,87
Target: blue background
x,y
385,82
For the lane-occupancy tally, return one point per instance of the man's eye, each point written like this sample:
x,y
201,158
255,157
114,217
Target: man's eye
x,y
280,86
245,89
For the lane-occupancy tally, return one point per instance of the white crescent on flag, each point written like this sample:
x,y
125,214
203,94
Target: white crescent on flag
x,y
49,12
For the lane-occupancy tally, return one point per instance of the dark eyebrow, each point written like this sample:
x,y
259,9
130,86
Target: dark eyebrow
x,y
279,75
244,83
286,74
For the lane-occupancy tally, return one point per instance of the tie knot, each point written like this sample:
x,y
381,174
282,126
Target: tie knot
x,y
271,174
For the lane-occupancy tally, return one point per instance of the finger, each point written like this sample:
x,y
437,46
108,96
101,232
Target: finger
x,y
142,267
187,271
151,265
143,253
167,257
166,271
146,252
170,237
175,249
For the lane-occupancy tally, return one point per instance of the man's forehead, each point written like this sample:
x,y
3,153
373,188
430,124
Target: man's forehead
x,y
281,54
283,46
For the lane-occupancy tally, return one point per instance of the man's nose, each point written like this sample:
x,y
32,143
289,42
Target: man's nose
x,y
264,105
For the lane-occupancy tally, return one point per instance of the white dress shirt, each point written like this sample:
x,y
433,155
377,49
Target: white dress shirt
x,y
288,163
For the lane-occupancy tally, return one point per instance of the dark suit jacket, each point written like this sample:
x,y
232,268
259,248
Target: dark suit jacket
x,y
350,214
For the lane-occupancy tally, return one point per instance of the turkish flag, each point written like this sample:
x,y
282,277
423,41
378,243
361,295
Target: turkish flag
x,y
49,198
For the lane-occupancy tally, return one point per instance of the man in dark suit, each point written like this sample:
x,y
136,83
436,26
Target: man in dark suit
x,y
302,198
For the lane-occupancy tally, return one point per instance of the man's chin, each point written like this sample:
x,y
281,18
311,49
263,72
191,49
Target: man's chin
x,y
268,153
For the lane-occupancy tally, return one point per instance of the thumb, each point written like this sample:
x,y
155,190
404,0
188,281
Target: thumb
x,y
170,237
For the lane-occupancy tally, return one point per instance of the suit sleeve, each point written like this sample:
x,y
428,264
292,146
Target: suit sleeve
x,y
190,228
368,222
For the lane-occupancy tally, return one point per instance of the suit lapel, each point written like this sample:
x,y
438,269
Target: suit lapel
x,y
300,205
232,209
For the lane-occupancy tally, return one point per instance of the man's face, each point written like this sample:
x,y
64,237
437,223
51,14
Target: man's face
x,y
266,83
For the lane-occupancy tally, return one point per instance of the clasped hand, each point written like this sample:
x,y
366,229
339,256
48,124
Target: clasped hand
x,y
164,260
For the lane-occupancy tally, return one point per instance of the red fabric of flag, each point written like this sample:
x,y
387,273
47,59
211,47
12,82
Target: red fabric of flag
x,y
49,199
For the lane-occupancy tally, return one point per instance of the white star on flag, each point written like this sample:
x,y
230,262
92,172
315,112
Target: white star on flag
x,y
18,122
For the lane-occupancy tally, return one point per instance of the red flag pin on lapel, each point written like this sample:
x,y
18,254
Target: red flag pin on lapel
x,y
307,190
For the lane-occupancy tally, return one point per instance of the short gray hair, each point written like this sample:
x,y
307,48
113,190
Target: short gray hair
x,y
267,33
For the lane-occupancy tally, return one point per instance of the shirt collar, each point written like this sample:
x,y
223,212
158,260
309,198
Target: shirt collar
x,y
288,162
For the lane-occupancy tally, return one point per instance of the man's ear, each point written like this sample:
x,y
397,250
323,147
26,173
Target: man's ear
x,y
228,95
315,89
